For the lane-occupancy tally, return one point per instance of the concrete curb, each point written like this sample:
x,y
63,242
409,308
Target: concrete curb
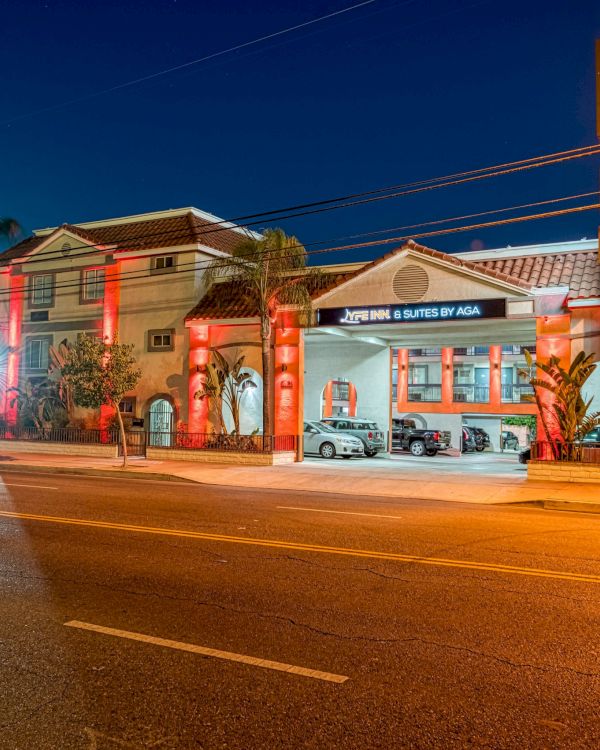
x,y
127,473
572,505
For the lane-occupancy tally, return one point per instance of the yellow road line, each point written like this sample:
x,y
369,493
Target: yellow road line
x,y
302,547
337,512
254,661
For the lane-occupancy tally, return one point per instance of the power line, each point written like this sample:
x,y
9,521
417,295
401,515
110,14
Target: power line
x,y
218,226
190,63
390,240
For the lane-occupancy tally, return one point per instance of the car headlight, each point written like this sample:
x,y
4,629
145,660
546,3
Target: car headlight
x,y
345,441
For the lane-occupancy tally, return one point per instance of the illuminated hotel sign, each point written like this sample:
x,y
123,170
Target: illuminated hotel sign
x,y
478,309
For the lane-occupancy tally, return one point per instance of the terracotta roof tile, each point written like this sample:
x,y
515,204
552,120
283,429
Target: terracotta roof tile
x,y
184,229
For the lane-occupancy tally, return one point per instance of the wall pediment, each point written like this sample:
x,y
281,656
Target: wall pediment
x,y
409,277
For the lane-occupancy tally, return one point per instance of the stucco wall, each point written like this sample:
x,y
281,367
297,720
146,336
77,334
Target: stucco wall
x,y
367,366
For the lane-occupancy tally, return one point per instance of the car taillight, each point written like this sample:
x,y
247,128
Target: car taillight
x,y
436,435
370,436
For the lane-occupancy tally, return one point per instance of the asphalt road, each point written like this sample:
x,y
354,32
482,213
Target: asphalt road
x,y
456,627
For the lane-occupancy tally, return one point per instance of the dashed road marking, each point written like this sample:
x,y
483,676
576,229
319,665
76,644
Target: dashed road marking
x,y
34,486
278,666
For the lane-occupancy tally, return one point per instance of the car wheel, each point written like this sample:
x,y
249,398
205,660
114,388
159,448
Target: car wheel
x,y
431,452
417,448
369,453
479,448
327,450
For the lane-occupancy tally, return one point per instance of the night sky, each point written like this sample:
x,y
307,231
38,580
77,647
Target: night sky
x,y
387,93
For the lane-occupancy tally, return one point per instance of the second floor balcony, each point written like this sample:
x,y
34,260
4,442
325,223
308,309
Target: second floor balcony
x,y
424,392
516,393
471,393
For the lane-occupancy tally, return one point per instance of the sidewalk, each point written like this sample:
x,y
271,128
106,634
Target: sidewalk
x,y
342,479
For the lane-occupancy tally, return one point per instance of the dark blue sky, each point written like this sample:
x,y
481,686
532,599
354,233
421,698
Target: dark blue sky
x,y
389,93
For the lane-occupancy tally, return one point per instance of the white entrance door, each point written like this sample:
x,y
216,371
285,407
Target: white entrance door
x,y
161,423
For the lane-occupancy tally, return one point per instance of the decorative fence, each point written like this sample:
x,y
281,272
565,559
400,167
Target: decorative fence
x,y
544,450
71,435
137,440
229,443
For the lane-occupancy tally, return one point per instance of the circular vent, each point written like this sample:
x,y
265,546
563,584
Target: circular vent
x,y
410,283
66,248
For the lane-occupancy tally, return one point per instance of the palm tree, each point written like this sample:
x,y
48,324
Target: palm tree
x,y
567,410
9,227
269,272
226,383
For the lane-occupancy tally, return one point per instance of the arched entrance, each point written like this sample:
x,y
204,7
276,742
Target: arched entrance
x,y
338,399
161,423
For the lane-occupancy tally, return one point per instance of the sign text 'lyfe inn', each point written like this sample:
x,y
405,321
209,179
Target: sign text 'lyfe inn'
x,y
478,309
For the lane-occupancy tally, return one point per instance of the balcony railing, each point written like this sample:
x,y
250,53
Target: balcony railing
x,y
515,394
424,392
471,394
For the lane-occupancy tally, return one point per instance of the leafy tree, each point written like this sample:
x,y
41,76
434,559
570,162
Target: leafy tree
x,y
101,374
226,383
269,273
566,414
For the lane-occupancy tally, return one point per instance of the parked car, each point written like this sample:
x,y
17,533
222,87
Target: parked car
x,y
326,442
469,442
406,436
509,440
367,431
482,439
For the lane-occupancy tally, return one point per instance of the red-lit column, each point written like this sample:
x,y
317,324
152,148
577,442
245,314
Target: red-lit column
x,y
552,340
328,399
448,377
402,387
110,322
199,357
352,400
287,380
495,375
15,320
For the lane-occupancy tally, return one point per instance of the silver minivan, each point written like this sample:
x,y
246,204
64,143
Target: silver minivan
x,y
366,430
329,443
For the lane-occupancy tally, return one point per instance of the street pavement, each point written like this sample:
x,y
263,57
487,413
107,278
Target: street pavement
x,y
143,614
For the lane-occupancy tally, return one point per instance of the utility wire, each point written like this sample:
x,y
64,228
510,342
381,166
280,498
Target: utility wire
x,y
225,262
190,63
218,226
352,246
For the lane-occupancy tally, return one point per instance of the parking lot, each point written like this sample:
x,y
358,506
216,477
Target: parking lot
x,y
481,464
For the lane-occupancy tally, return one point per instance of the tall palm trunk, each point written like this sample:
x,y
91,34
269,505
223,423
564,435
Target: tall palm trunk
x,y
265,336
123,436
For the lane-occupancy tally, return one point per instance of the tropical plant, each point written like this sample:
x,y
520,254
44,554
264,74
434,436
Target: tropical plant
x,y
269,272
101,373
225,383
565,414
58,357
38,405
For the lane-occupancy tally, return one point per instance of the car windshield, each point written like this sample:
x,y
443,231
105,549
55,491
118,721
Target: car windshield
x,y
324,427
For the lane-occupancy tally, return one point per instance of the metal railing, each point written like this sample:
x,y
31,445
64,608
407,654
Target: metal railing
x,y
60,435
544,450
137,440
229,443
516,393
471,393
424,392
